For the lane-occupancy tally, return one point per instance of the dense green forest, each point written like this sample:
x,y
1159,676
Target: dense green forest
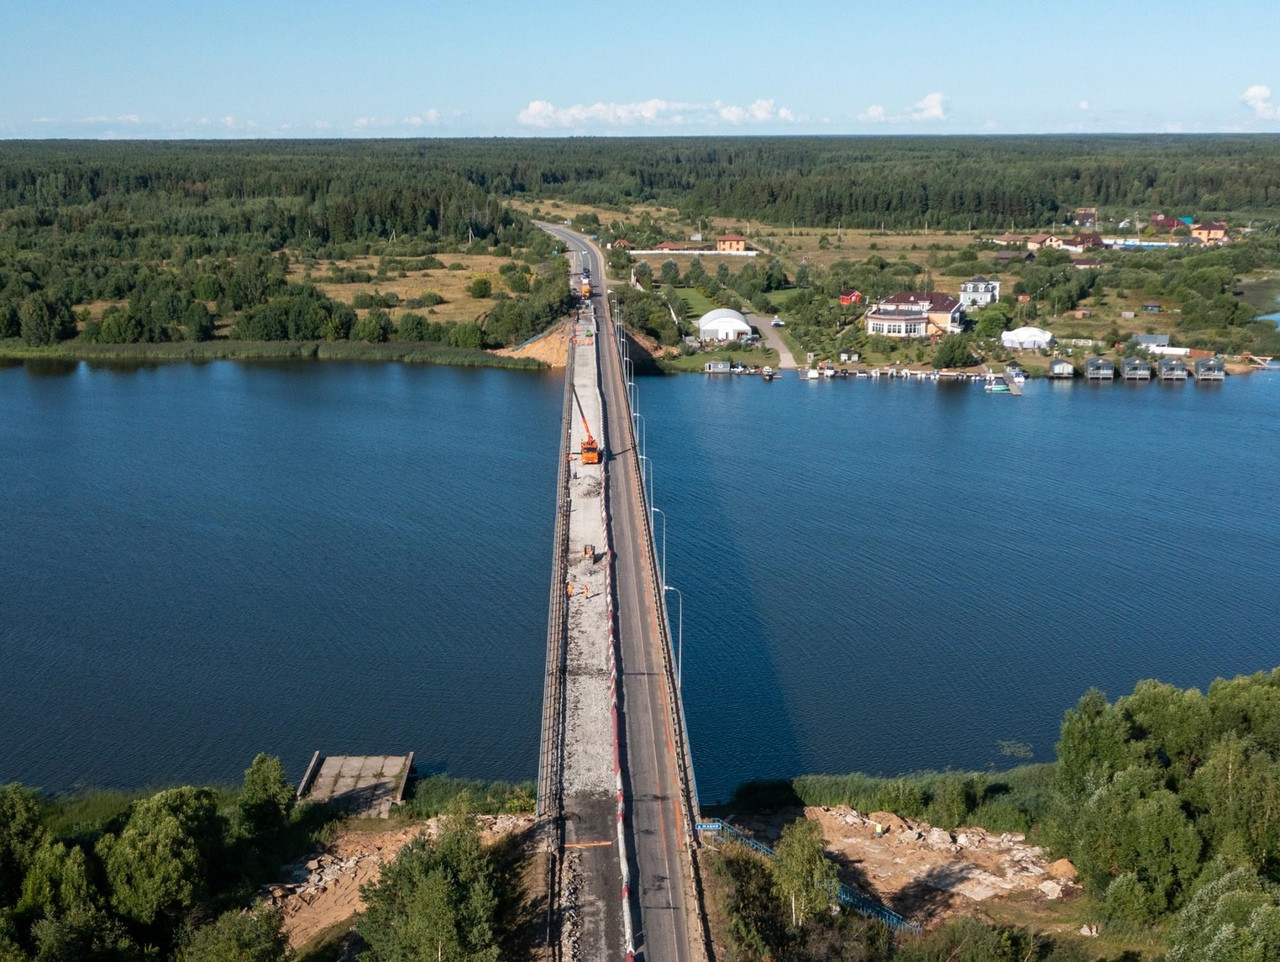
x,y
105,877
1166,800
186,241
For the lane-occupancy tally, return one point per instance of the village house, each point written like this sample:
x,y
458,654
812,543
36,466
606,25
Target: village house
x,y
915,314
1085,217
1004,257
1210,232
731,244
1041,241
1083,242
979,292
850,297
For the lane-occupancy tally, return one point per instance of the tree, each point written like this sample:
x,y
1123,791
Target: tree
x,y
238,936
436,901
57,882
802,874
84,934
993,319
265,802
41,322
375,327
953,351
670,273
158,864
480,288
197,321
1234,916
21,835
644,275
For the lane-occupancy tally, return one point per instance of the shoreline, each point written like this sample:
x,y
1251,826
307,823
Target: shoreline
x,y
409,352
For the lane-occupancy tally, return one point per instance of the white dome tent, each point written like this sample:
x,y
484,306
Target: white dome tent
x,y
1026,339
722,324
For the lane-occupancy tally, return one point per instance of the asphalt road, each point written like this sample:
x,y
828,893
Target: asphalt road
x,y
651,779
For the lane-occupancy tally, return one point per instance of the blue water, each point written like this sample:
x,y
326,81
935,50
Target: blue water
x,y
887,576
200,562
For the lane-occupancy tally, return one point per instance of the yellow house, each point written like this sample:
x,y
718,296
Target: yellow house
x,y
731,244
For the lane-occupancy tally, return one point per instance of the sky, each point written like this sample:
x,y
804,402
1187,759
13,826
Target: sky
x,y
318,68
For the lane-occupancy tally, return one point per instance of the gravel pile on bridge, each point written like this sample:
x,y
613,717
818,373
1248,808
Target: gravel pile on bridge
x,y
588,768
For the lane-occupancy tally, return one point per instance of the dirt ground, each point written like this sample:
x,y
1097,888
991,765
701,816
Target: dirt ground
x,y
324,889
928,874
552,348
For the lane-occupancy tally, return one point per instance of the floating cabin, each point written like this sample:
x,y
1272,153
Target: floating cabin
x,y
1171,369
1099,369
1209,369
1136,369
1061,368
716,367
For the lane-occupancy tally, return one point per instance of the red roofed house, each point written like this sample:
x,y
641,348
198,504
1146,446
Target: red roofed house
x,y
850,297
915,314
731,244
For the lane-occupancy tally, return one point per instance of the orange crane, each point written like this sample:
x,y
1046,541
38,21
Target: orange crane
x,y
590,448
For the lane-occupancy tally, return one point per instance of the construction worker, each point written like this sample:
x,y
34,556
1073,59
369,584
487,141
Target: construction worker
x,y
586,590
569,588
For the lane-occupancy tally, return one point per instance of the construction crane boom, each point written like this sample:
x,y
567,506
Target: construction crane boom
x,y
590,449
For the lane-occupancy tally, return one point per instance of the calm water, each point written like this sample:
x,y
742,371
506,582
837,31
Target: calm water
x,y
201,562
886,576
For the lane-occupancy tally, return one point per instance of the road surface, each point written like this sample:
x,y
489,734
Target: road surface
x,y
651,778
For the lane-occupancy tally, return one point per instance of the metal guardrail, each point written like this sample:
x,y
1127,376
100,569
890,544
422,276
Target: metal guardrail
x,y
550,803
847,896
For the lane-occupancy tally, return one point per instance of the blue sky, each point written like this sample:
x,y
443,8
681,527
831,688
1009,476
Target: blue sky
x,y
288,68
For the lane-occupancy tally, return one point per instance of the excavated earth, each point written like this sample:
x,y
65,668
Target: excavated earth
x,y
929,874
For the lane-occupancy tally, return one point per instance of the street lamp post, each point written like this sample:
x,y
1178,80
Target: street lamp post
x,y
648,492
680,635
644,431
664,542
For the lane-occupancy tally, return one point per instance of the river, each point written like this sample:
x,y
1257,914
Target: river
x,y
200,562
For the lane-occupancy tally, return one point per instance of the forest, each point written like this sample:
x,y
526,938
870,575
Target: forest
x,y
137,242
1167,802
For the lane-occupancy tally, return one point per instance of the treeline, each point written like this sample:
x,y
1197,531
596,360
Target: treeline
x,y
178,236
173,875
162,877
1167,801
903,182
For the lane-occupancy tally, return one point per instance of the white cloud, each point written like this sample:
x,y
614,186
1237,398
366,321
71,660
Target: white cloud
x,y
874,114
429,118
1083,105
932,107
759,112
129,119
1258,99
44,120
322,125
653,112
100,119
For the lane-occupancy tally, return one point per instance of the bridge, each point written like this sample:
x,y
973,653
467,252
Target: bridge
x,y
617,799
616,796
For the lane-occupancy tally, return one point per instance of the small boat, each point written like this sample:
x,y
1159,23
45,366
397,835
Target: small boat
x,y
998,387
768,374
812,374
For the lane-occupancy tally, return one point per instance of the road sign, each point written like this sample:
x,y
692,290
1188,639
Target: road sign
x,y
707,826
